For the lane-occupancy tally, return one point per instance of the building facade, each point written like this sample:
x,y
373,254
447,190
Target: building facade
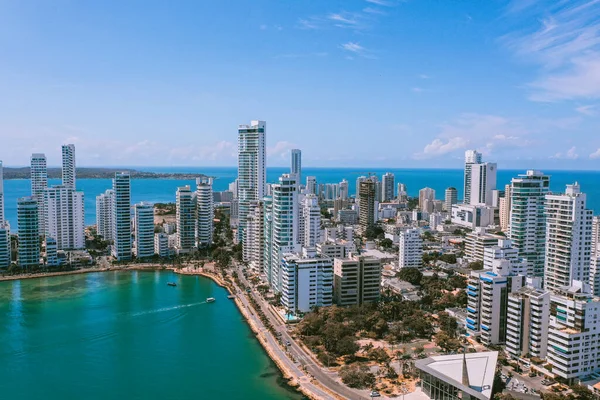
x,y
296,164
366,204
29,237
65,217
471,157
528,322
450,198
410,249
204,211
185,216
357,280
68,166
144,230
121,209
39,183
104,214
387,187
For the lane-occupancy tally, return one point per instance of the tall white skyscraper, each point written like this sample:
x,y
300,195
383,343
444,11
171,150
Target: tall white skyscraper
x,y
68,165
595,261
483,183
104,214
527,228
254,239
186,219
251,168
450,198
311,221
410,249
426,197
296,167
122,216
311,185
1,193
204,211
471,157
504,209
343,190
64,217
144,230
39,183
5,248
29,238
568,238
284,228
402,193
387,187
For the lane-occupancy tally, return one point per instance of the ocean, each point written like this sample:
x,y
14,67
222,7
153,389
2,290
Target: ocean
x,y
163,190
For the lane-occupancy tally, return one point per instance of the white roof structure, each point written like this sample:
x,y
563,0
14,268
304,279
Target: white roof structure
x,y
479,368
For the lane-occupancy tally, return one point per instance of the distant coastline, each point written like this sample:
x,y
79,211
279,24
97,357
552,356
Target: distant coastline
x,y
98,173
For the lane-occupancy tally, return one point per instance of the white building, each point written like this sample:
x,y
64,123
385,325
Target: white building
x,y
527,228
411,249
311,185
426,197
68,166
471,157
39,183
64,217
595,254
121,209
387,187
268,238
505,251
144,230
402,193
185,215
204,211
450,198
573,349
254,237
251,168
5,248
29,237
343,192
1,193
161,244
477,241
527,319
568,238
296,164
284,225
472,216
104,214
504,209
310,221
483,183
306,281
51,252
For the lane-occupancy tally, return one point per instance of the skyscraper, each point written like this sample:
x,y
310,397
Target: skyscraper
x,y
568,238
366,204
1,193
504,209
64,217
251,168
104,214
387,187
451,197
343,190
402,193
254,239
410,249
426,197
595,261
527,228
284,229
311,185
204,211
311,216
68,165
39,183
29,238
471,157
144,230
5,248
296,167
121,208
186,219
483,183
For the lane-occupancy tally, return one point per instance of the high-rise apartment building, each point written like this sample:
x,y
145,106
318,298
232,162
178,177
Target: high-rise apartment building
x,y
185,216
366,204
296,165
450,198
568,238
5,247
161,244
268,239
357,280
310,216
64,217
471,157
39,183
343,193
311,185
29,237
306,281
68,165
104,214
284,225
204,211
387,187
251,168
527,228
1,193
144,230
527,326
402,193
411,249
595,260
483,183
121,220
254,238
426,196
504,209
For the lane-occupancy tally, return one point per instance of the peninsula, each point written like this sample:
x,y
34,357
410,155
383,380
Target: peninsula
x,y
97,173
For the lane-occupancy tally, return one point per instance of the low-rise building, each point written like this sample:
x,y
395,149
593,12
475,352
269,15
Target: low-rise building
x,y
477,241
472,216
161,244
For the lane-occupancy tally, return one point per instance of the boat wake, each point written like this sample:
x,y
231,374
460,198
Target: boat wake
x,y
165,309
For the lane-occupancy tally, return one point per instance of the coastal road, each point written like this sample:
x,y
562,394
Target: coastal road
x,y
324,377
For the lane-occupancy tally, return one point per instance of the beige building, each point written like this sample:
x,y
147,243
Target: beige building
x,y
357,280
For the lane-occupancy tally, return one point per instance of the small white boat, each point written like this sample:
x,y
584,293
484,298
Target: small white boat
x,y
210,300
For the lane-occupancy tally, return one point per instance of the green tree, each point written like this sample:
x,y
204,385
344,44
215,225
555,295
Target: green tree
x,y
358,377
410,275
476,265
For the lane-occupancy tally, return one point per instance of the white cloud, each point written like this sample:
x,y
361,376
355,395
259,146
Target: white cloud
x,y
372,10
571,154
344,20
281,150
381,2
589,110
353,47
595,155
566,47
440,147
424,76
263,27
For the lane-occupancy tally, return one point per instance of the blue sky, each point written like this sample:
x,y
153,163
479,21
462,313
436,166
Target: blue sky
x,y
384,83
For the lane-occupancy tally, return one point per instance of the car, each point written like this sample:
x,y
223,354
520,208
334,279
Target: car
x,y
374,394
287,343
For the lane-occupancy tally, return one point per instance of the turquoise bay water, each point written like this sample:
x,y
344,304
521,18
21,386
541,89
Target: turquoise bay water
x,y
128,335
163,190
